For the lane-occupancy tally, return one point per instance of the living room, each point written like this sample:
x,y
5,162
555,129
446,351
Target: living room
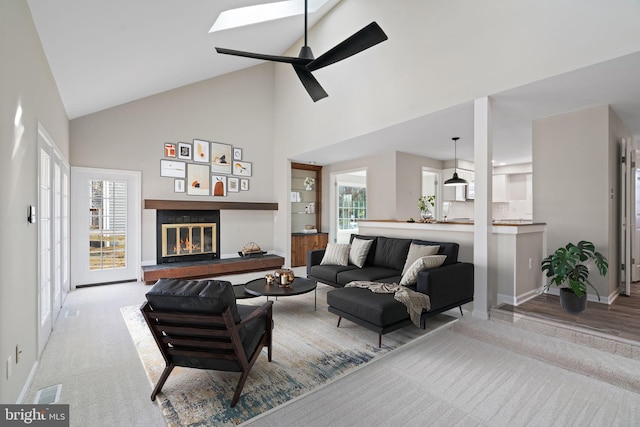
x,y
438,57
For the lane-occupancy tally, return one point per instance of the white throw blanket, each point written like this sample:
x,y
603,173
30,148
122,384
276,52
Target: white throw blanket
x,y
414,301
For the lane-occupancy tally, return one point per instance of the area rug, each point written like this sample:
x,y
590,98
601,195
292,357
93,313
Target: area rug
x,y
308,351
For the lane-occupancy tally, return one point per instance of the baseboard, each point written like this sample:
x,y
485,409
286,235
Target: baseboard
x,y
518,299
27,384
591,297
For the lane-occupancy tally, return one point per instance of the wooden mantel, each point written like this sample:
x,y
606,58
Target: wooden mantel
x,y
193,205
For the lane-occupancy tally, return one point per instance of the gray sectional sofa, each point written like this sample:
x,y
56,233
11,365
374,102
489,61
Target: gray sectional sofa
x,y
448,286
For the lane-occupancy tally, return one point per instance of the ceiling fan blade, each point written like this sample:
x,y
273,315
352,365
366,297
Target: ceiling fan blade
x,y
367,37
310,83
287,59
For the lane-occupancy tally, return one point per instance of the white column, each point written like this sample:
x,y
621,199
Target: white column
x,y
483,212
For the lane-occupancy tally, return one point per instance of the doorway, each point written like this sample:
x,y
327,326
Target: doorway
x,y
350,203
430,187
106,228
52,217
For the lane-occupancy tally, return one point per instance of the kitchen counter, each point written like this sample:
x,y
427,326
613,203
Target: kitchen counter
x,y
498,227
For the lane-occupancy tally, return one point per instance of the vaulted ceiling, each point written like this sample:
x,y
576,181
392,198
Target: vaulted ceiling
x,y
106,53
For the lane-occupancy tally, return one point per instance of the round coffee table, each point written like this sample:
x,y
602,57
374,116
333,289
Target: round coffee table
x,y
299,286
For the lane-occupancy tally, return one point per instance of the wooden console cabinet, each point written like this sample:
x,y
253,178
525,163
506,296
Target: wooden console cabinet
x,y
302,243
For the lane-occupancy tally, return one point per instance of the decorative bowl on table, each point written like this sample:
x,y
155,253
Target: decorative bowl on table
x,y
284,277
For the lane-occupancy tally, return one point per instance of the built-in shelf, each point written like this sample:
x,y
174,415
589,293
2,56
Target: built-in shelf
x,y
202,205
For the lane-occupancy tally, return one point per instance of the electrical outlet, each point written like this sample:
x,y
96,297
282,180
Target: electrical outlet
x,y
530,263
9,367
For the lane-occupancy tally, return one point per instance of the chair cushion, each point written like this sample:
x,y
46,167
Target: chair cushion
x,y
253,330
199,296
379,309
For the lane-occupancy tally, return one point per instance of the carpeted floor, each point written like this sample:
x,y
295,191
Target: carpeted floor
x,y
308,351
456,378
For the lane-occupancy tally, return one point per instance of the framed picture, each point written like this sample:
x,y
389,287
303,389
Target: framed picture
x,y
237,153
172,168
184,150
169,149
200,151
241,168
220,158
233,184
244,184
178,185
198,180
219,185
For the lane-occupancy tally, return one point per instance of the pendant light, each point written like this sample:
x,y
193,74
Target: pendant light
x,y
455,180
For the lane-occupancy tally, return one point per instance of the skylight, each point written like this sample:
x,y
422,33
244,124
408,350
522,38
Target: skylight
x,y
234,18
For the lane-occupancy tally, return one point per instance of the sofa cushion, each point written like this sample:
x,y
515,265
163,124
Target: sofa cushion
x,y
329,273
410,277
369,273
446,248
391,252
376,308
418,251
372,250
336,254
359,251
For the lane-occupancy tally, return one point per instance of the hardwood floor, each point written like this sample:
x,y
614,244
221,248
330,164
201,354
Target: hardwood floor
x,y
620,319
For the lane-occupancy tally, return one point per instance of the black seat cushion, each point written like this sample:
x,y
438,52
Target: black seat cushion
x,y
196,296
371,274
376,308
330,272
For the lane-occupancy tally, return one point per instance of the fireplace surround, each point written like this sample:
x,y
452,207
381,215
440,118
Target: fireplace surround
x,y
187,235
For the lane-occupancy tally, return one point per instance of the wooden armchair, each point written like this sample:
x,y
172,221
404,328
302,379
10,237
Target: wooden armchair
x,y
197,324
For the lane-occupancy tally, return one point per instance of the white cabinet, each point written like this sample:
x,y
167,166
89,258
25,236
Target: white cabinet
x,y
500,190
518,186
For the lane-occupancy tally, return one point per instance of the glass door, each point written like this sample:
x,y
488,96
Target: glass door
x,y
106,206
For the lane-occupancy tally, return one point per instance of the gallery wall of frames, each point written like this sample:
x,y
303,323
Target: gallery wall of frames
x,y
205,168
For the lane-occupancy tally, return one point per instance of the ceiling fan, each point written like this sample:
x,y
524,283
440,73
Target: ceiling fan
x,y
305,62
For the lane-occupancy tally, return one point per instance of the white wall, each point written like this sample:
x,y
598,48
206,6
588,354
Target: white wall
x,y
574,183
439,54
233,109
26,84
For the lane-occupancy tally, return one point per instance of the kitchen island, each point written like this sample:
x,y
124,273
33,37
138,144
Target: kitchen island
x,y
517,249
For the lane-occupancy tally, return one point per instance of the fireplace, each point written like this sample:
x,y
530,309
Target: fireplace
x,y
187,235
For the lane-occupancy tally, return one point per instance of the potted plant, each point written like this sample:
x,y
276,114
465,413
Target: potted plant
x,y
425,204
568,268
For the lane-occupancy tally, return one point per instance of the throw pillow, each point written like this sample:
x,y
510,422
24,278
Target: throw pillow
x,y
336,254
359,251
418,251
426,262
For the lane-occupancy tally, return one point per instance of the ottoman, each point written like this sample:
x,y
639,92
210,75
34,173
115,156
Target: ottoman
x,y
378,312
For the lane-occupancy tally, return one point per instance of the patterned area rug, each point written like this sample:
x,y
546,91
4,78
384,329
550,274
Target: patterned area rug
x,y
308,351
